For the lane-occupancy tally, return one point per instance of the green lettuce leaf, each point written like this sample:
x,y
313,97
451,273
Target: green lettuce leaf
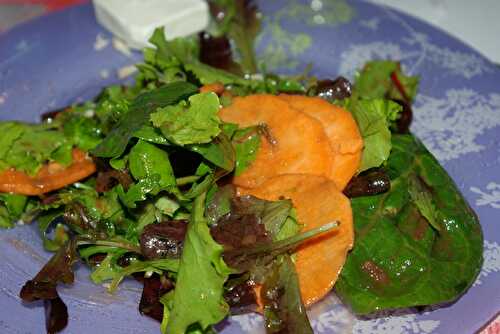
x,y
171,60
138,191
196,123
84,132
373,118
198,295
138,115
375,82
109,270
11,209
11,131
26,147
184,50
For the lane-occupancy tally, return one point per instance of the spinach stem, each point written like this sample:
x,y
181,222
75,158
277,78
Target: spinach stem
x,y
186,180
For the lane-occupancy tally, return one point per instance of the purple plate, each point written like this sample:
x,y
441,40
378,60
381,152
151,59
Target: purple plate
x,y
55,60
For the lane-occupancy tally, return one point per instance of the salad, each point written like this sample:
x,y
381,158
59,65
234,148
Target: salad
x,y
225,189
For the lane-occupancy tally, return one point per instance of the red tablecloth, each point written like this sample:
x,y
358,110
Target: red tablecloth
x,y
13,12
49,4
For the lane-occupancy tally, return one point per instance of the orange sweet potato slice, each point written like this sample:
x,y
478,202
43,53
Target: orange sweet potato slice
x,y
342,132
216,87
317,201
50,177
296,142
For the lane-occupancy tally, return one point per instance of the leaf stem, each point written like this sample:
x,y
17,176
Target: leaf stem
x,y
181,181
289,243
109,243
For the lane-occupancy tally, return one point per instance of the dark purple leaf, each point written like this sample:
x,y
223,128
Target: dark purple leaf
x,y
163,240
44,286
154,287
50,116
33,290
240,21
368,183
216,52
48,199
235,231
75,216
96,259
241,297
106,180
56,315
406,116
283,307
337,89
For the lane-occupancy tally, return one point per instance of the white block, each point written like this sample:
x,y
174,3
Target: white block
x,y
134,21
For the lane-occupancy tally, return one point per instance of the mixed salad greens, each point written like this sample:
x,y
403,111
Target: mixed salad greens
x,y
137,183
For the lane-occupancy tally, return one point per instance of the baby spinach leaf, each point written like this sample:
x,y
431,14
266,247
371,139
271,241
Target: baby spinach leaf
x,y
208,74
198,295
146,160
219,151
196,123
246,143
151,134
151,167
138,115
399,259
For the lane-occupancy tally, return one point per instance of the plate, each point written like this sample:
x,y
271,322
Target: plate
x,y
66,57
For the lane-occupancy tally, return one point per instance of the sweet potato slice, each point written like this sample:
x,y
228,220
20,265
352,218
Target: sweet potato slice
x,y
216,87
318,201
342,132
296,142
50,177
